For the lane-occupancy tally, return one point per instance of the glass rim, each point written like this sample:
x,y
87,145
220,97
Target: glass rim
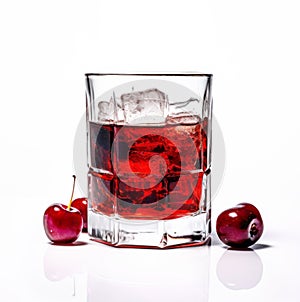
x,y
167,74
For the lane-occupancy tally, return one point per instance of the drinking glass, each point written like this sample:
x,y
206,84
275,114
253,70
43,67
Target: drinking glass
x,y
149,158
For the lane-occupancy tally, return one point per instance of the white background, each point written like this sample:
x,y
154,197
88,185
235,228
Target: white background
x,y
252,48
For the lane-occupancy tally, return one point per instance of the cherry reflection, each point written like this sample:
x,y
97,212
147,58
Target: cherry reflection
x,y
240,269
64,261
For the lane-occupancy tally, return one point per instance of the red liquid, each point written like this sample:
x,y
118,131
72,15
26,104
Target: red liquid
x,y
147,172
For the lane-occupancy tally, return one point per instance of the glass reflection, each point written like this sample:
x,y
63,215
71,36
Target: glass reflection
x,y
115,275
149,275
240,269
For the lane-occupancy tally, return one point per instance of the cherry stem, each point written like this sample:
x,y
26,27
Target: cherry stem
x,y
71,199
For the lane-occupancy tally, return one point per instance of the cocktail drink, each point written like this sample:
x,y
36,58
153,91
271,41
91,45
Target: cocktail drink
x,y
149,160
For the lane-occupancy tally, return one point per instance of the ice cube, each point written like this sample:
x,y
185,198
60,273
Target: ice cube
x,y
106,110
148,106
189,107
110,111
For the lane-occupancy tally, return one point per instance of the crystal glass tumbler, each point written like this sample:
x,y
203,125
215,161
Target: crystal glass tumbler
x,y
149,158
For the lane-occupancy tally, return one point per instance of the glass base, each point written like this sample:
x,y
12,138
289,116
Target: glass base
x,y
180,232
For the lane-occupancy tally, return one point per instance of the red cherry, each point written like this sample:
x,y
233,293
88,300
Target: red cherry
x,y
81,205
240,226
62,223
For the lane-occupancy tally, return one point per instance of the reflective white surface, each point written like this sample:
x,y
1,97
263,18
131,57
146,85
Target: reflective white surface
x,y
92,272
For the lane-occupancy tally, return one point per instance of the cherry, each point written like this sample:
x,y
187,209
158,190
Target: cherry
x,y
62,223
81,205
240,226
